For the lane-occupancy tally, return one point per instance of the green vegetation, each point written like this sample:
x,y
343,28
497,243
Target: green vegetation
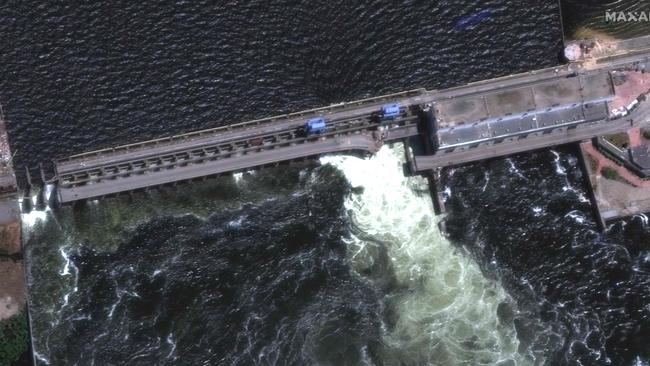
x,y
620,140
610,173
14,338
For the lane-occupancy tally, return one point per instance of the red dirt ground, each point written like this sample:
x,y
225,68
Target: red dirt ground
x,y
602,161
12,283
10,238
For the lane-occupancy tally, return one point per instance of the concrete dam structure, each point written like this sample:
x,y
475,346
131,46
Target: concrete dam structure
x,y
453,126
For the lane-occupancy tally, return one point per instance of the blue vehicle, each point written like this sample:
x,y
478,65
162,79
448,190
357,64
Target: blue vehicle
x,y
390,110
315,126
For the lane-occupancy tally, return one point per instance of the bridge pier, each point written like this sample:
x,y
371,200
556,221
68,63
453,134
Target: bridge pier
x,y
409,166
439,128
27,192
586,172
435,187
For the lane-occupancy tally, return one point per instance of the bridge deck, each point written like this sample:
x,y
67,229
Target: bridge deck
x,y
498,113
349,110
278,123
109,174
536,141
475,121
109,186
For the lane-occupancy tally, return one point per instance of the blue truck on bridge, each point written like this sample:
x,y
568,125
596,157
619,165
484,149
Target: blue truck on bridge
x,y
315,126
391,110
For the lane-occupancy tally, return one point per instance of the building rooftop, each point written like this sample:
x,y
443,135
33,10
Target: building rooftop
x,y
590,88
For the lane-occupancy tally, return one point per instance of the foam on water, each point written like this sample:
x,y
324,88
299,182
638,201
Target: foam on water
x,y
238,177
559,169
447,313
31,218
41,358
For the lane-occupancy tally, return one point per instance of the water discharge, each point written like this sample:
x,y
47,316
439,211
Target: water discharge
x,y
445,310
432,303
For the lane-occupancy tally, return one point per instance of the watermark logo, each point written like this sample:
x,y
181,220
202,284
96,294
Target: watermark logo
x,y
626,16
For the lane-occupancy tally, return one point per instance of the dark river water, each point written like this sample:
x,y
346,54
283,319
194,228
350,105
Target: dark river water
x,y
334,262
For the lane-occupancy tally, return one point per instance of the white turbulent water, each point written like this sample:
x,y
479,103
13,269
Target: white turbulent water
x,y
33,217
448,304
445,310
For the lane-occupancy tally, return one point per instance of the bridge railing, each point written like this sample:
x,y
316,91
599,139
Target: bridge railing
x,y
211,131
221,150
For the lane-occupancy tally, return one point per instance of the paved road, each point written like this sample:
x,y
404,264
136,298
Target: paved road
x,y
349,111
151,149
163,147
354,110
620,60
358,142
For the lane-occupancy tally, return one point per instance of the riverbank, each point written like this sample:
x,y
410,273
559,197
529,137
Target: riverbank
x,y
591,33
14,339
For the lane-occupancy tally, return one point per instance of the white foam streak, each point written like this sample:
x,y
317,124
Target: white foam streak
x,y
577,216
487,180
33,217
643,217
67,270
41,358
172,343
49,188
66,266
514,169
559,169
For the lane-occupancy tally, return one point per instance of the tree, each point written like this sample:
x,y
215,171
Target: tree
x,y
14,338
610,173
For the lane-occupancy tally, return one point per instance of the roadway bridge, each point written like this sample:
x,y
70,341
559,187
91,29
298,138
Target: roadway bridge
x,y
350,127
457,125
529,142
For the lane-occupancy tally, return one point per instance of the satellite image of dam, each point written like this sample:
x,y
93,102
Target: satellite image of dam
x,y
411,183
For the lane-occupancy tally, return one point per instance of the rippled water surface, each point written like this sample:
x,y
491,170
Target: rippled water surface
x,y
333,262
96,74
528,222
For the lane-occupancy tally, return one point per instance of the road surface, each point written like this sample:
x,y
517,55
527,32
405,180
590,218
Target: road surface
x,y
358,142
